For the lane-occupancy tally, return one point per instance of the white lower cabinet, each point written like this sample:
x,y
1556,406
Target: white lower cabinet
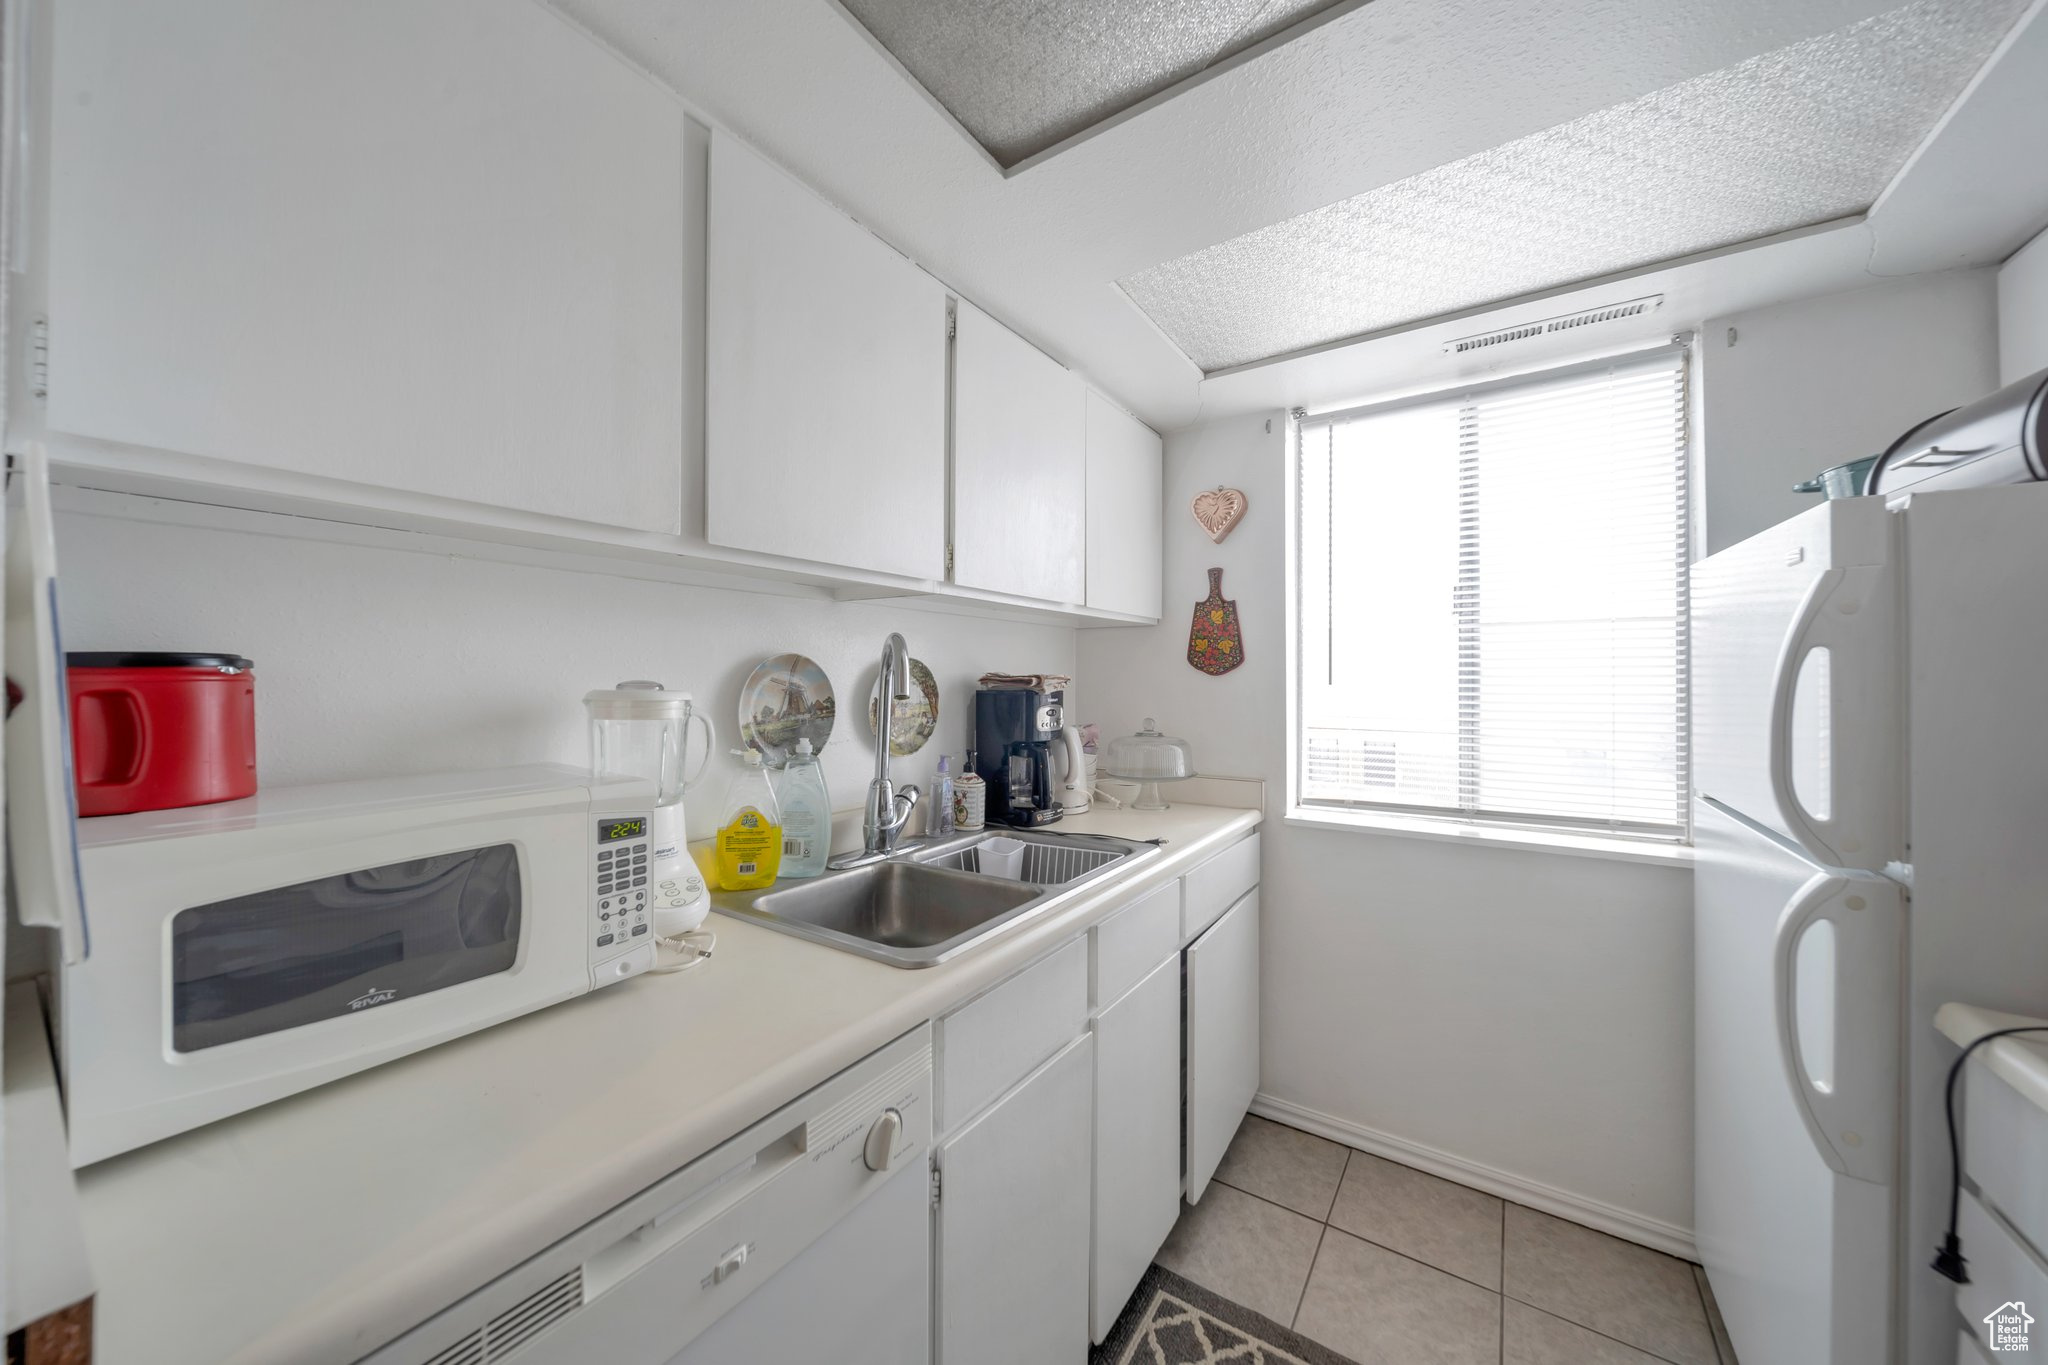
x,y
1053,1134
1137,1137
1012,1225
2003,1213
1062,1159
1222,1037
843,1299
992,1042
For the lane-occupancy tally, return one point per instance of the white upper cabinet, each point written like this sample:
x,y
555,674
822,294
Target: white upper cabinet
x,y
825,434
1020,482
1125,492
426,248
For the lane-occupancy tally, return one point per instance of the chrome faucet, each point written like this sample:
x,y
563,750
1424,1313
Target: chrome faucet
x,y
888,811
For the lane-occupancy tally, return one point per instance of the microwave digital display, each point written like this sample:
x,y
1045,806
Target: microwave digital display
x,y
610,830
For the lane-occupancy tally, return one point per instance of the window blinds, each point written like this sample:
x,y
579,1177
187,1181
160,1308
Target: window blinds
x,y
1492,601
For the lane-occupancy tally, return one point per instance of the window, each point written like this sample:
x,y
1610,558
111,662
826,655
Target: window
x,y
1492,602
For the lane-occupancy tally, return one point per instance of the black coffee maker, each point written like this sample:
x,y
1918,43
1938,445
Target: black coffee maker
x,y
1013,733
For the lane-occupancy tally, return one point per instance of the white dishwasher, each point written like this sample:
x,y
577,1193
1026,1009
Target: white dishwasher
x,y
806,1237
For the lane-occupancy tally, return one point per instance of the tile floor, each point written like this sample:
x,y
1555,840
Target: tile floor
x,y
1390,1266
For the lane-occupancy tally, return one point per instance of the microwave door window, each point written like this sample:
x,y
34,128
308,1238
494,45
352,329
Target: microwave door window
x,y
340,945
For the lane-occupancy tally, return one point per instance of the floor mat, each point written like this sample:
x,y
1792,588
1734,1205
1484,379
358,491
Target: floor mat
x,y
1172,1321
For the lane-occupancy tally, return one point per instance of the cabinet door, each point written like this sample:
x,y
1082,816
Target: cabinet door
x,y
1125,512
1012,1245
825,410
426,248
1222,1036
1137,1137
1020,483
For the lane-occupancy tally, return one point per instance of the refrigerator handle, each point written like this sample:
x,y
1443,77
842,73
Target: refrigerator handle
x,y
1846,634
1851,1114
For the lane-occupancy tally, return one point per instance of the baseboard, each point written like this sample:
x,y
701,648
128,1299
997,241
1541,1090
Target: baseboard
x,y
1654,1233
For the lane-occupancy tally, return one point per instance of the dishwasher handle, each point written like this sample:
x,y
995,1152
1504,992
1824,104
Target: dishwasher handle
x,y
684,1218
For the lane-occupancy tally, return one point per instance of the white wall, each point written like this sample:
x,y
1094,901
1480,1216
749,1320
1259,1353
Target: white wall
x,y
1523,1017
375,661
2023,311
1524,1013
1822,381
1234,723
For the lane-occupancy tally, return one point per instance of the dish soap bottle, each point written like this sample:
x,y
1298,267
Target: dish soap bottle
x,y
749,840
942,807
806,814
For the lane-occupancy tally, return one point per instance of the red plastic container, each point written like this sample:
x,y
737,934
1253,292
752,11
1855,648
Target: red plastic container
x,y
153,731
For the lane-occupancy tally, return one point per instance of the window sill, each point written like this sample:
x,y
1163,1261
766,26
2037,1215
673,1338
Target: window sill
x,y
1493,836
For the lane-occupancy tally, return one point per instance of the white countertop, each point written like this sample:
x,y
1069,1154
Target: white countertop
x,y
318,1228
2021,1062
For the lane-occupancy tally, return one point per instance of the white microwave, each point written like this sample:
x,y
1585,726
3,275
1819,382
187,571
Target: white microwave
x,y
245,951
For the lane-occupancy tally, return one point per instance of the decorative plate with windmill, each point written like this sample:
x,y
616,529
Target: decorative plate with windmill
x,y
785,699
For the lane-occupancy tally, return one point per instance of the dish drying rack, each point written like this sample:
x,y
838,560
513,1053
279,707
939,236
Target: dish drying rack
x,y
1044,864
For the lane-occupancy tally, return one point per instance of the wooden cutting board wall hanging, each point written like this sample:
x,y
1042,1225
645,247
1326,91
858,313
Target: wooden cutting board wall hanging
x,y
1215,640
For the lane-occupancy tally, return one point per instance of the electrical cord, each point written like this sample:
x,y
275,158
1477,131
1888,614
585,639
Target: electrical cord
x,y
684,951
1948,1259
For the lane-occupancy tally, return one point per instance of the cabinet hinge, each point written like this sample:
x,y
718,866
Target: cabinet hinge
x,y
949,560
952,324
39,358
935,1186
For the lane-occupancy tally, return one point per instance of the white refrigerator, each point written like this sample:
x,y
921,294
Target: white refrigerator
x,y
1870,763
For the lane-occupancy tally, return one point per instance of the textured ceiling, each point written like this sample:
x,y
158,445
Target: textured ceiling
x,y
1024,75
1810,132
1378,94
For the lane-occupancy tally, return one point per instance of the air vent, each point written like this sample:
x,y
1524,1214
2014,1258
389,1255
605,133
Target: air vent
x,y
503,1336
532,1315
468,1351
1613,312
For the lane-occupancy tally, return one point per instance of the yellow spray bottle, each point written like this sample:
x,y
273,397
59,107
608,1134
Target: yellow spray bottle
x,y
749,842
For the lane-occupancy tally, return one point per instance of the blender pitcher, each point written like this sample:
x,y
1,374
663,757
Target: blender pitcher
x,y
640,728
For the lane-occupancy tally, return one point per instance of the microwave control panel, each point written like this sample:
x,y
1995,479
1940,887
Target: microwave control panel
x,y
618,902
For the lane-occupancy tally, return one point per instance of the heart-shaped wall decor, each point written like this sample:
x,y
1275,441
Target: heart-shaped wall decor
x,y
1218,511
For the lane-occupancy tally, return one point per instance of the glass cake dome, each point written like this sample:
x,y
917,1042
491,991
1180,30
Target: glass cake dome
x,y
1148,758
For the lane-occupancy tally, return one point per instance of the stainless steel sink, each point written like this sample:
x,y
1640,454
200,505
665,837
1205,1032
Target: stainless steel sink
x,y
930,901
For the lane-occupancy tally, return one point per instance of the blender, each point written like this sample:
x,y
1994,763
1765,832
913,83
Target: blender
x,y
640,728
